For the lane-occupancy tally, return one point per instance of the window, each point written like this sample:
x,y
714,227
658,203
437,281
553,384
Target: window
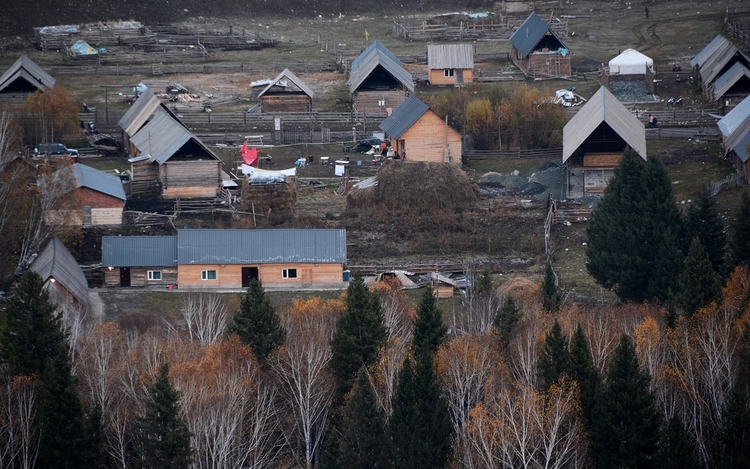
x,y
289,273
154,274
448,72
208,275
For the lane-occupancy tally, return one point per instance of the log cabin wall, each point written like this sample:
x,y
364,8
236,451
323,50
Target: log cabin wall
x,y
144,171
139,277
369,101
271,275
285,102
425,140
190,179
550,64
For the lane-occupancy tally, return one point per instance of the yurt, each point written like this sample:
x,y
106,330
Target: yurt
x,y
630,62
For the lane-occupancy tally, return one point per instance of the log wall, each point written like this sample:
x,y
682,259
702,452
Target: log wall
x,y
285,103
139,277
230,276
369,101
425,140
601,160
143,171
190,179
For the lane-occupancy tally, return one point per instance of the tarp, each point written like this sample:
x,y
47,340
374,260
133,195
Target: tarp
x,y
82,48
249,157
265,176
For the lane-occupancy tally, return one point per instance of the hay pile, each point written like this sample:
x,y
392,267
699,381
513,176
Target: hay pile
x,y
279,198
417,187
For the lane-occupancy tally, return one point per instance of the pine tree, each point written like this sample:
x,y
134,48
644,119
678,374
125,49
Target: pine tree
x,y
676,449
162,439
429,330
362,430
257,323
505,320
554,359
583,372
483,285
331,457
550,294
704,222
738,249
732,444
625,427
699,283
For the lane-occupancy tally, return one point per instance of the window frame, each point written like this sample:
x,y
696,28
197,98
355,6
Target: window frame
x,y
449,72
205,275
285,273
151,277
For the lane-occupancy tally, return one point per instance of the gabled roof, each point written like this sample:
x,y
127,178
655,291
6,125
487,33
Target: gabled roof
x,y
715,56
209,247
139,251
141,111
163,136
603,107
735,126
56,262
99,181
291,77
717,44
377,55
25,68
404,117
528,35
443,56
728,79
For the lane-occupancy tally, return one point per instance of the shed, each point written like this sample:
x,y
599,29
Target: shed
x,y
139,261
731,88
419,133
378,80
538,51
140,112
450,64
297,98
24,77
630,62
716,59
735,136
182,164
442,286
595,139
62,275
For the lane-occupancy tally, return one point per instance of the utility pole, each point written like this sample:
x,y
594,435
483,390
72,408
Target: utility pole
x,y
106,105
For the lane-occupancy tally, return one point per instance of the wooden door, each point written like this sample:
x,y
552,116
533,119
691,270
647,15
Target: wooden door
x,y
248,273
124,276
459,75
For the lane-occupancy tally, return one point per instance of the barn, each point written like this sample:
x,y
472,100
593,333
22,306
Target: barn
x,y
419,133
140,112
22,78
538,51
89,197
714,60
595,139
62,276
450,64
378,81
731,88
179,161
735,137
296,98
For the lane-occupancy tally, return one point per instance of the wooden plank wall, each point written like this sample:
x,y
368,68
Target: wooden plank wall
x,y
191,178
549,64
143,171
138,277
368,101
106,216
601,160
286,103
425,140
230,276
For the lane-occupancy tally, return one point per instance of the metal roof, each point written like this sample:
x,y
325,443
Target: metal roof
x,y
291,77
728,79
139,251
528,35
370,60
141,111
56,262
715,57
86,176
30,71
204,247
719,42
603,107
404,117
735,125
163,136
742,147
442,56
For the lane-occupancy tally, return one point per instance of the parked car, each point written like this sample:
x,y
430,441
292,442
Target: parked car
x,y
54,149
366,145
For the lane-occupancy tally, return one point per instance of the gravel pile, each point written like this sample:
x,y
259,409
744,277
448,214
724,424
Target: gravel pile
x,y
631,91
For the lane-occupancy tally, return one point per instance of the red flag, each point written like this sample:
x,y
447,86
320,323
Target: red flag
x,y
249,157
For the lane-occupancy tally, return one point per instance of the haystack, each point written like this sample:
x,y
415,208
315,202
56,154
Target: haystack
x,y
517,287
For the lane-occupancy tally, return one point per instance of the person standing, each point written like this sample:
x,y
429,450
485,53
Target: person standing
x,y
650,121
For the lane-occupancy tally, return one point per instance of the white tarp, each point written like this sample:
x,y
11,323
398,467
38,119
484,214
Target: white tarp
x,y
266,176
340,169
630,62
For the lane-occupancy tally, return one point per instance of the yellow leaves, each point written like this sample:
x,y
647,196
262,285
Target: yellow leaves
x,y
317,307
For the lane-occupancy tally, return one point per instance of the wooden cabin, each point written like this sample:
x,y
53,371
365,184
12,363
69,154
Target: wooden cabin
x,y
22,78
594,141
442,286
735,137
296,98
180,162
450,64
229,259
715,60
538,51
378,81
140,112
731,88
62,276
415,130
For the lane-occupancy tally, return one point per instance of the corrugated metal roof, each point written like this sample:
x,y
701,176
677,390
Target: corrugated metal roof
x,y
715,57
701,57
163,136
139,251
526,37
442,56
35,74
742,147
368,61
735,125
603,107
141,111
375,46
728,79
196,246
86,176
291,77
404,117
55,261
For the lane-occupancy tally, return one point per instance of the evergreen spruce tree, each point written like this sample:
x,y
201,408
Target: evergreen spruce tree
x,y
359,335
738,249
625,427
583,372
257,323
505,320
704,222
362,430
732,443
483,285
161,437
676,449
550,294
554,359
331,457
429,330
699,283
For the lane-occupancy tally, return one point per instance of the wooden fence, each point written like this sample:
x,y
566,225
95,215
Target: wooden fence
x,y
730,182
549,153
135,67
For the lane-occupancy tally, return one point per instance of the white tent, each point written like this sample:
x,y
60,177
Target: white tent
x,y
630,62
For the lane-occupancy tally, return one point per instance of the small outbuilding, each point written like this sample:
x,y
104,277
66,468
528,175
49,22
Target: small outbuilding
x,y
716,59
538,51
378,81
735,137
22,78
419,134
296,98
62,276
595,139
450,64
731,88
